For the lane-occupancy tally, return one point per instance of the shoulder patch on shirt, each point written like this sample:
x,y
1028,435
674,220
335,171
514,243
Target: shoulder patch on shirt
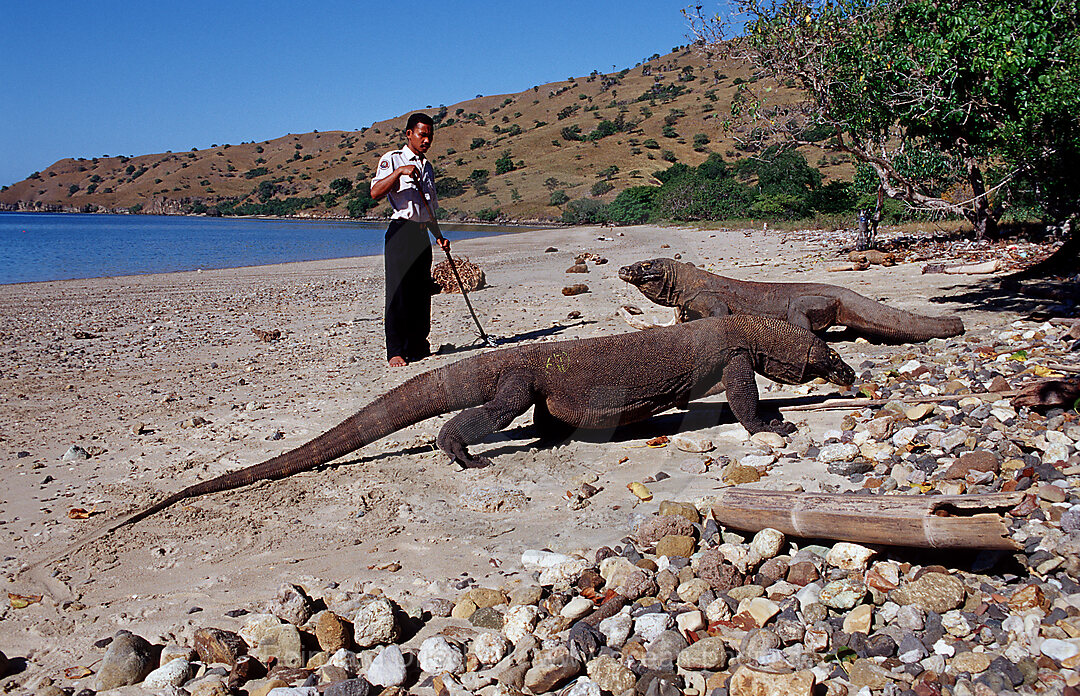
x,y
384,164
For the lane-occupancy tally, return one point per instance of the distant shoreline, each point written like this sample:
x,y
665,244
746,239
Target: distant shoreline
x,y
306,218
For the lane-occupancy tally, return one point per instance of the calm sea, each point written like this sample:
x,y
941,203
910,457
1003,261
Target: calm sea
x,y
60,246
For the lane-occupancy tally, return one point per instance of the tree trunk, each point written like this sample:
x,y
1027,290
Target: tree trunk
x,y
981,216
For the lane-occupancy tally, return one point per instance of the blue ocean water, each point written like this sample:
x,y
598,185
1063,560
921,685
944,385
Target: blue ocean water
x,y
60,246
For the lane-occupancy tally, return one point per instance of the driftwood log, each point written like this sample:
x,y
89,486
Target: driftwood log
x,y
924,521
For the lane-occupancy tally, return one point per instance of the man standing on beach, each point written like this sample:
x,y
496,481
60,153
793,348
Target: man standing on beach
x,y
408,179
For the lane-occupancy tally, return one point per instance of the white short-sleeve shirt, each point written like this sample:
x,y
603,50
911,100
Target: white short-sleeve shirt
x,y
406,198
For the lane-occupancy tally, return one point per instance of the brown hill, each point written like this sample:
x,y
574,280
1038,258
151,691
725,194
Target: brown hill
x,y
669,108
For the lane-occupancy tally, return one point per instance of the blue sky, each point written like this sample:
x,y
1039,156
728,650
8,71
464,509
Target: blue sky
x,y
85,79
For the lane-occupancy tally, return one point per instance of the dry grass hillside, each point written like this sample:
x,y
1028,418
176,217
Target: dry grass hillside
x,y
669,108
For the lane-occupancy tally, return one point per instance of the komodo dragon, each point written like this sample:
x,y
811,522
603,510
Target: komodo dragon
x,y
697,293
589,383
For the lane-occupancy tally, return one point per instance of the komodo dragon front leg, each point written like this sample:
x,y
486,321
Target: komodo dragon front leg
x,y
742,396
513,397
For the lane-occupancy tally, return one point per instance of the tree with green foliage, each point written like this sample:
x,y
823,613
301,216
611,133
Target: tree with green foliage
x,y
632,206
584,211
601,187
340,186
504,164
982,93
558,197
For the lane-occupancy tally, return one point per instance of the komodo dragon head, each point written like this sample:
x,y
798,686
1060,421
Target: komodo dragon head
x,y
792,355
655,279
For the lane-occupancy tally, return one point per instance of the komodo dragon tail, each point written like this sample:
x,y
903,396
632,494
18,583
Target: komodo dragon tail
x,y
453,387
466,383
882,321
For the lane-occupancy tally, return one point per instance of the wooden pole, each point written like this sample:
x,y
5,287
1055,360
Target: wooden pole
x,y
921,521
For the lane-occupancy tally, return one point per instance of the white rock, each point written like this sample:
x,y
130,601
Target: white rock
x,y
582,687
758,460
172,673
848,556
616,629
1054,648
294,691
373,623
839,452
688,442
1055,453
904,436
768,439
520,621
577,607
388,667
718,610
346,660
808,595
909,366
767,543
737,555
256,625
543,559
690,621
437,656
649,626
563,574
490,647
943,648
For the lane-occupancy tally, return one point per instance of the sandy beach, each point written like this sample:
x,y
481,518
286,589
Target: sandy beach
x,y
173,386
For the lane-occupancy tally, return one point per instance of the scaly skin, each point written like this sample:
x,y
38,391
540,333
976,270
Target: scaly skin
x,y
814,306
589,383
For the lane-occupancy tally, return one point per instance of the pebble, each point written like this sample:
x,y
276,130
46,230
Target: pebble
x,y
388,668
550,669
215,645
438,656
611,675
747,680
690,442
490,648
773,441
840,452
616,629
842,594
767,543
849,556
707,653
374,623
576,608
128,660
936,592
171,674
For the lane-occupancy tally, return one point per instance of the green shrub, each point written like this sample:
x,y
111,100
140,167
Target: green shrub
x,y
584,211
601,187
558,198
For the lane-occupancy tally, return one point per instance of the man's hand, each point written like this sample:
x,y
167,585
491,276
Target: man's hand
x,y
444,243
410,170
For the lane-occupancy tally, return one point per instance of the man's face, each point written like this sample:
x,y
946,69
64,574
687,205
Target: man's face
x,y
420,138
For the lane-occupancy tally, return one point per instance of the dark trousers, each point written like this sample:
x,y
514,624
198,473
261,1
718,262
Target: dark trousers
x,y
407,259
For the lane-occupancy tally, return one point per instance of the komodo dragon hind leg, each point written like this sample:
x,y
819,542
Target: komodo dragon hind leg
x,y
512,398
549,429
742,396
813,312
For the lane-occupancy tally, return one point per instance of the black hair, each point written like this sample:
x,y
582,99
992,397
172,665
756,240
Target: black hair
x,y
418,118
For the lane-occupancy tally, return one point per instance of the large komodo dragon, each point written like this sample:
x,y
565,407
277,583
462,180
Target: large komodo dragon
x,y
696,293
589,383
